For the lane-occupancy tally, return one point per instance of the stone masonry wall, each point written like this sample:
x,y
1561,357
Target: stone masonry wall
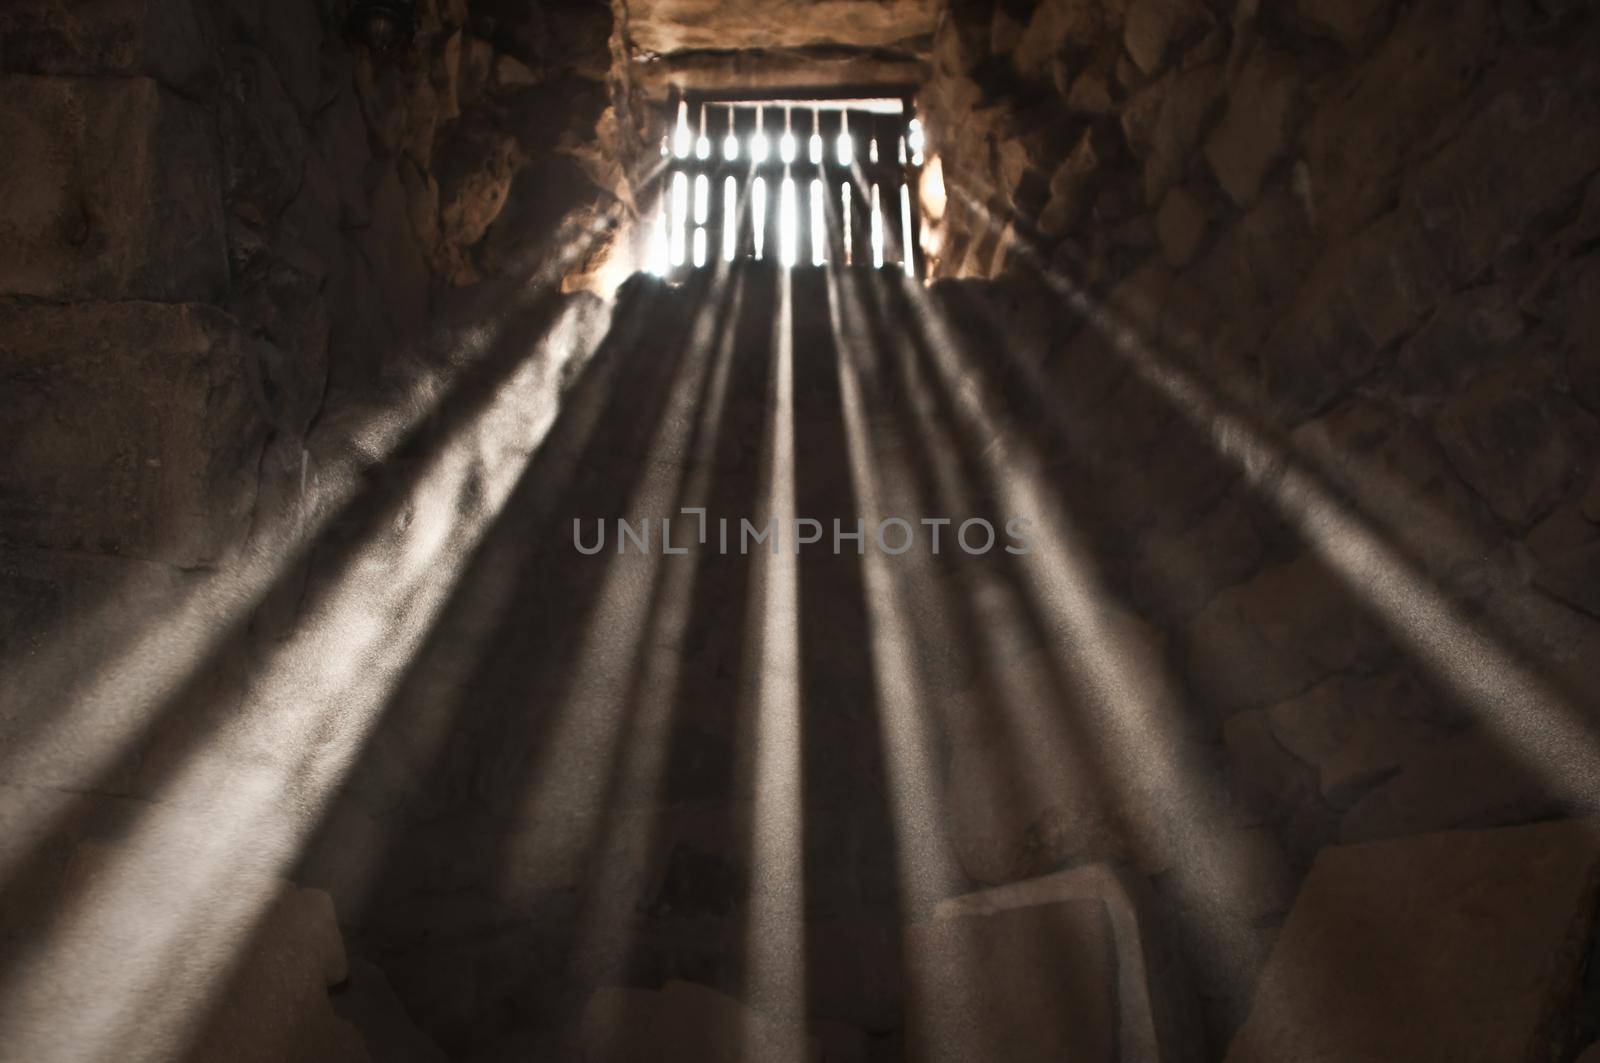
x,y
249,269
244,197
1372,229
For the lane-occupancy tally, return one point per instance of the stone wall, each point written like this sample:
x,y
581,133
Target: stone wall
x,y
1369,230
248,199
257,276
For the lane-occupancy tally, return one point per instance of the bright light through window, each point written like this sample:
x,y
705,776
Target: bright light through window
x,y
682,138
877,230
680,215
788,223
819,233
758,213
834,187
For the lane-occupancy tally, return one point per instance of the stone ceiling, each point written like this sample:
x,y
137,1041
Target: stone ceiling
x,y
662,27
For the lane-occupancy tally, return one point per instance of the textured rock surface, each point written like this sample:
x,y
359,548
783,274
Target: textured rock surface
x,y
264,283
1099,920
681,1023
662,26
1047,979
128,430
79,225
276,1007
1457,946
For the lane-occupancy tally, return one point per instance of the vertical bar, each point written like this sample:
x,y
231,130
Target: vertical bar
x,y
730,218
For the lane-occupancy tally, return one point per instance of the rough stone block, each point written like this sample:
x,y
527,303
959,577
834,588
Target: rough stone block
x,y
264,146
1419,75
277,1005
128,429
1472,330
1056,25
1528,150
1266,780
1070,965
368,1003
158,38
1574,577
1365,294
1515,441
1037,983
1391,468
1152,26
1355,732
1467,781
112,192
1187,97
1458,947
1583,334
1276,635
1257,128
1353,23
1178,571
1071,188
1181,224
685,1023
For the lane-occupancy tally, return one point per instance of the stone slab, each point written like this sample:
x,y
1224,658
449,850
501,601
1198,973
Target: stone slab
x,y
112,191
1458,947
128,429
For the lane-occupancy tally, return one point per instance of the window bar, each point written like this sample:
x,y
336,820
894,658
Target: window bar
x,y
758,140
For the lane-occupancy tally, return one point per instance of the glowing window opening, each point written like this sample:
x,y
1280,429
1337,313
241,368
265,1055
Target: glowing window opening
x,y
805,182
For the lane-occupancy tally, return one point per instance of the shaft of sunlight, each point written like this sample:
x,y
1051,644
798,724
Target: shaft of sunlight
x,y
775,939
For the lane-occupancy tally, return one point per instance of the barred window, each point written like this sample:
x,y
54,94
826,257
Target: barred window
x,y
804,182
